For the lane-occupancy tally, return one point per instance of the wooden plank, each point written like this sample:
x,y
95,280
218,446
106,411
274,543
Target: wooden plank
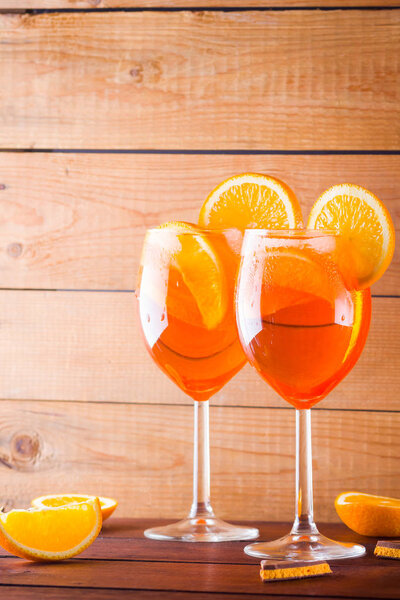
x,y
211,578
87,346
118,528
128,548
78,220
137,550
142,455
284,79
189,4
58,593
124,539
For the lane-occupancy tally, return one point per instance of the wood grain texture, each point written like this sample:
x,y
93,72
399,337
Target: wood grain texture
x,y
189,4
142,455
213,570
207,570
78,220
286,79
88,346
206,578
110,543
123,539
59,593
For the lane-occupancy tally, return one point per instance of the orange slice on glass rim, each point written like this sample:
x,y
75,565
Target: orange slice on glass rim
x,y
107,505
365,226
251,200
51,534
194,273
367,514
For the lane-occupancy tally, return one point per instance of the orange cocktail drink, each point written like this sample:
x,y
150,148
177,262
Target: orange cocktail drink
x,y
186,289
306,328
187,310
303,354
303,325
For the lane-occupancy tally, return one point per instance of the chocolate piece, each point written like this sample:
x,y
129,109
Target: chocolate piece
x,y
286,569
387,549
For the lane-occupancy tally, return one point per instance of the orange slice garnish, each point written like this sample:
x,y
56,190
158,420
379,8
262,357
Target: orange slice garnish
x,y
50,534
364,224
107,505
367,514
190,269
251,200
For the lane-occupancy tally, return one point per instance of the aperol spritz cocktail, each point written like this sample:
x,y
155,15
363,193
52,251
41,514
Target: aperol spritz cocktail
x,y
303,326
186,308
186,289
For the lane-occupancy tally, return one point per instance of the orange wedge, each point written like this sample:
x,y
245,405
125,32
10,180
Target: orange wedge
x,y
196,282
50,534
251,200
364,224
369,515
296,276
107,505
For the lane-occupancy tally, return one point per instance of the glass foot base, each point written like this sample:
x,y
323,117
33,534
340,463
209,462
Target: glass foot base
x,y
208,529
307,548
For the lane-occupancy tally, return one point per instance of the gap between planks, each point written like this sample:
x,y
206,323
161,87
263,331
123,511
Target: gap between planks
x,y
196,8
200,152
60,290
212,403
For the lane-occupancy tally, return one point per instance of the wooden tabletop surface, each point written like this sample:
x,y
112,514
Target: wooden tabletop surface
x,y
123,564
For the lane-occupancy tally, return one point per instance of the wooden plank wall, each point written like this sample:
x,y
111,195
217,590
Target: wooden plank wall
x,y
116,120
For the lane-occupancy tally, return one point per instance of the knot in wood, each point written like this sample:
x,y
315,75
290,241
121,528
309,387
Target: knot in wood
x,y
25,448
137,73
14,249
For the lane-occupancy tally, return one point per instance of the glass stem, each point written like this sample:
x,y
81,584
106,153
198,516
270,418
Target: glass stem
x,y
304,521
201,507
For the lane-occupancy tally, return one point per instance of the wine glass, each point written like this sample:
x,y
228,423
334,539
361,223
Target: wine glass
x,y
302,325
186,307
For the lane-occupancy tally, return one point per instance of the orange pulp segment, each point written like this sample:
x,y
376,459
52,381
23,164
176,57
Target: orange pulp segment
x,y
251,200
363,222
189,258
107,505
367,514
51,534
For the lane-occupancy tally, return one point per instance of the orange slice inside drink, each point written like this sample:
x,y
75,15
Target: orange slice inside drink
x,y
294,276
196,287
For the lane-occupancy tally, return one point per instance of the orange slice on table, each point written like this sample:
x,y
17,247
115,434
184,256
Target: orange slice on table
x,y
50,534
192,270
251,200
369,515
364,224
107,505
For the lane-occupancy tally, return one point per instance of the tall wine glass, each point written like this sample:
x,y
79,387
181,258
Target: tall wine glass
x,y
303,326
186,287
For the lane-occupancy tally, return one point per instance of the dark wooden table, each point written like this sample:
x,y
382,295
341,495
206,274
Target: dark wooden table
x,y
123,564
